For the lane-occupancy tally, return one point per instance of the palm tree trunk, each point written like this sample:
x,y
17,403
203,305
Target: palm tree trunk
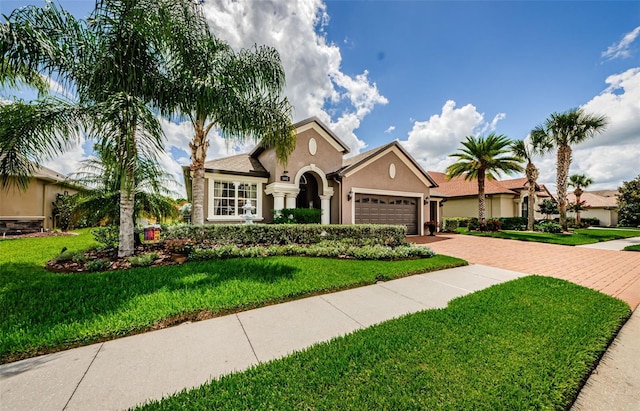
x,y
532,177
481,199
199,147
564,162
126,235
578,193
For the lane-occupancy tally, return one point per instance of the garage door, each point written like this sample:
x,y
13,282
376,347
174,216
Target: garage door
x,y
377,209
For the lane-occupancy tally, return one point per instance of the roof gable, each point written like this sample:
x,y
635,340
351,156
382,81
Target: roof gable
x,y
353,164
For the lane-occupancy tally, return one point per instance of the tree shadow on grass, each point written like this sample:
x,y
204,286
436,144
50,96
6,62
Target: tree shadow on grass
x,y
33,300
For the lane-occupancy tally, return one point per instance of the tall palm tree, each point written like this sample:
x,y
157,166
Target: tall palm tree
x,y
238,93
579,182
527,150
115,64
561,131
484,158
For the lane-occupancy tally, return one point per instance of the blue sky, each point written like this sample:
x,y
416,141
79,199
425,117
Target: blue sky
x,y
429,73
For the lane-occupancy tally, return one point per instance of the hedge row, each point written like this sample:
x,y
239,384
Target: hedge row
x,y
279,234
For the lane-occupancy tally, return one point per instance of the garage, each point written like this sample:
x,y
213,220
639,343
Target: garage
x,y
380,209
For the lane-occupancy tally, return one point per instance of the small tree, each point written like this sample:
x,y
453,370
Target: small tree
x,y
579,182
629,203
548,207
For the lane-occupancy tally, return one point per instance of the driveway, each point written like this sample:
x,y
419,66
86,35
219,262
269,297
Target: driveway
x,y
616,273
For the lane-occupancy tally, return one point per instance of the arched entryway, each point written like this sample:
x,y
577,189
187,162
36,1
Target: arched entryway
x,y
309,195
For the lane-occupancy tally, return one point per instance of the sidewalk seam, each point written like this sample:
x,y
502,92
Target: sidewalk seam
x,y
248,339
82,378
348,316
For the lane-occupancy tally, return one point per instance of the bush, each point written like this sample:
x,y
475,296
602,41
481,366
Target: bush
x,y
493,225
513,223
549,227
473,224
108,236
462,221
75,256
330,249
280,234
298,216
97,265
143,260
450,225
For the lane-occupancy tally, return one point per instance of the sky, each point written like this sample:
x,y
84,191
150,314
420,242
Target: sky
x,y
430,73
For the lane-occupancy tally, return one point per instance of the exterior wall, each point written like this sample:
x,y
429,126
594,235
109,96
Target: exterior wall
x,y
34,204
375,178
327,158
501,205
608,218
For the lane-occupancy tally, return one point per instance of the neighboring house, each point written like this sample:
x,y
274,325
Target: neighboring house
x,y
504,198
31,210
603,205
384,185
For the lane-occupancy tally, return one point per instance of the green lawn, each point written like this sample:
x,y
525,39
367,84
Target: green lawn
x,y
522,345
45,312
579,237
635,247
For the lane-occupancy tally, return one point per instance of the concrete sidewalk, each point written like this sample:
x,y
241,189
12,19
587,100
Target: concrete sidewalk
x,y
122,373
615,245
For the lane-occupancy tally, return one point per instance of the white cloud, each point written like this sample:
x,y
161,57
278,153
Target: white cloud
x,y
621,49
390,129
316,85
71,161
431,141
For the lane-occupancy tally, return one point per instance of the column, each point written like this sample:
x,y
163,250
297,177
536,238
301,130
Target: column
x,y
278,202
325,205
291,200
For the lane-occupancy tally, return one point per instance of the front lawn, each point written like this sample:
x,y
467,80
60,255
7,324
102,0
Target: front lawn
x,y
579,236
635,247
522,345
45,312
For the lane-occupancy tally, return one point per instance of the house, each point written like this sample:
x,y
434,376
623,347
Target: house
x,y
381,186
32,209
603,205
504,198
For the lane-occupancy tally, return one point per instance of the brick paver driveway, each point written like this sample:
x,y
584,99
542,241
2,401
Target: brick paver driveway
x,y
616,273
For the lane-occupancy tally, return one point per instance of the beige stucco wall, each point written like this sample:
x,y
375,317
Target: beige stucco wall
x,y
501,205
326,158
375,178
33,204
608,218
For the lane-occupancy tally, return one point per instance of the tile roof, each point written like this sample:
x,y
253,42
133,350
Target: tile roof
x,y
240,163
597,199
459,187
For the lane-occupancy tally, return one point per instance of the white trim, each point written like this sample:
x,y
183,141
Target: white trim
x,y
326,190
419,196
212,177
401,156
324,134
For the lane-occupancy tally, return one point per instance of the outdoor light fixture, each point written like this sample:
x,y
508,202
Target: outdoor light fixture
x,y
425,201
350,195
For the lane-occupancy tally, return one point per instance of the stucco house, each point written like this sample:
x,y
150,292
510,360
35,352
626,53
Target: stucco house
x,y
504,198
32,210
384,185
603,205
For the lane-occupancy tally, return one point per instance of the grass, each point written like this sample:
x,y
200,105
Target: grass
x,y
525,344
635,247
579,236
46,312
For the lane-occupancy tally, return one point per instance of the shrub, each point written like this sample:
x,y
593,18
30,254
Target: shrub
x,y
280,234
493,225
549,227
298,216
143,260
513,223
108,236
450,225
473,224
97,265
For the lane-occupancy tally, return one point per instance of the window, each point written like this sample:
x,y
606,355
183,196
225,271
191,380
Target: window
x,y
525,207
229,197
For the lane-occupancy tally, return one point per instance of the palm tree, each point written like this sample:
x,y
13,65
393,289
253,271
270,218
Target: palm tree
x,y
483,158
527,150
239,93
115,64
562,130
579,182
